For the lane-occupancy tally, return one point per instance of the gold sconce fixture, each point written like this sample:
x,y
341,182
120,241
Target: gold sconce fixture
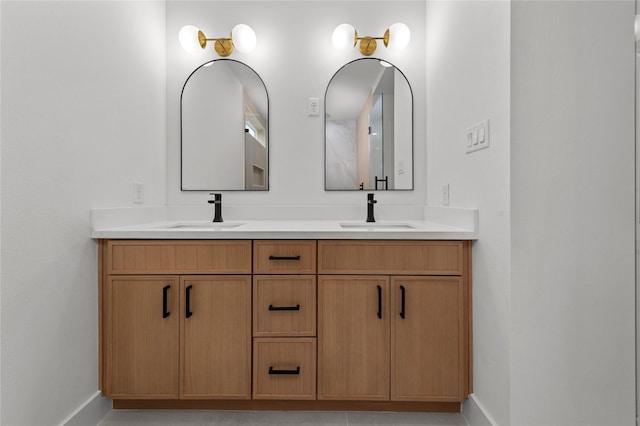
x,y
242,37
397,36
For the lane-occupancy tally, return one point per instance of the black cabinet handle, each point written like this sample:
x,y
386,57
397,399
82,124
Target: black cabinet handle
x,y
402,290
274,371
187,302
379,302
284,308
165,297
284,257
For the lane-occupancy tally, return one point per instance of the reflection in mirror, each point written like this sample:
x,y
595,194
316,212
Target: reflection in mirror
x,y
368,128
225,129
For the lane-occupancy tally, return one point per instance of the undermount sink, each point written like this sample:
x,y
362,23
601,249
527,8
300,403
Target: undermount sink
x,y
205,225
374,225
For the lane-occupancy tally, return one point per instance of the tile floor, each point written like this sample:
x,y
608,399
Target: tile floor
x,y
280,418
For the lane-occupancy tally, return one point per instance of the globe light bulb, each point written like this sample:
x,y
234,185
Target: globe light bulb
x,y
399,36
188,37
244,38
343,36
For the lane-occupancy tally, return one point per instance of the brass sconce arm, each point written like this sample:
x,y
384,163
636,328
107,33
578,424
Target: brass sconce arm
x,y
242,37
397,35
222,46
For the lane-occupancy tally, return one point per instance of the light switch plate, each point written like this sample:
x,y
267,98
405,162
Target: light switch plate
x,y
477,137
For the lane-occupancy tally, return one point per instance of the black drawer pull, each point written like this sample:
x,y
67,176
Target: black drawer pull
x,y
273,371
284,308
379,302
165,295
187,302
402,290
272,257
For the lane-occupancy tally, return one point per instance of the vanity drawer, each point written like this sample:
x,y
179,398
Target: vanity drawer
x,y
284,257
284,368
284,305
390,257
179,257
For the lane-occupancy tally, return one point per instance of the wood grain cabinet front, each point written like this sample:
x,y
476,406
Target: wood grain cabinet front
x,y
284,319
175,336
284,257
294,324
390,336
142,337
178,257
284,368
215,330
353,338
429,356
284,305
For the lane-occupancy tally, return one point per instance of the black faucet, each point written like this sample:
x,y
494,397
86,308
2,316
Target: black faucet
x,y
370,203
217,202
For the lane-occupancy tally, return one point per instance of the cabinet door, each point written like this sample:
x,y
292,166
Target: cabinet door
x,y
427,339
353,337
144,337
215,325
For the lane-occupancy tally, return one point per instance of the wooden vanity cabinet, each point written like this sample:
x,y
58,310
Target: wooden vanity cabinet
x,y
285,324
175,335
400,335
143,334
353,338
284,319
215,337
428,360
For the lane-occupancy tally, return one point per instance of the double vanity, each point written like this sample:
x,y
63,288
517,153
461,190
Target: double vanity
x,y
291,315
288,314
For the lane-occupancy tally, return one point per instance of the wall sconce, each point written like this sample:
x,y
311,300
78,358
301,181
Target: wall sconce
x,y
397,37
242,38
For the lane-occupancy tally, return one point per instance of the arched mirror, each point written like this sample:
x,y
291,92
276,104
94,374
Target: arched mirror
x,y
225,129
368,128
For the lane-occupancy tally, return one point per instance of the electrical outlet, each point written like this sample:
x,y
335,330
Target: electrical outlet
x,y
138,192
445,194
313,107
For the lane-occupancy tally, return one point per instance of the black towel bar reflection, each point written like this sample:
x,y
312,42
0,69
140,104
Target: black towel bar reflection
x,y
385,180
274,371
284,257
284,308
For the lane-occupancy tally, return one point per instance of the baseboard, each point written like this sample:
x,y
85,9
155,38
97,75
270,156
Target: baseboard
x,y
475,414
91,412
285,405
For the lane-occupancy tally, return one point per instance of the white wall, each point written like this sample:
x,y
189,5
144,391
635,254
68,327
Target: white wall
x,y
572,193
296,60
0,218
554,264
467,82
83,112
637,211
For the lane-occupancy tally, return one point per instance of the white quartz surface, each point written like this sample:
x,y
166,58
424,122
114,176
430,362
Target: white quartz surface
x,y
287,229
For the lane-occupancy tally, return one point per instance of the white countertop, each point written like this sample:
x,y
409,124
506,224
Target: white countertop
x,y
287,229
